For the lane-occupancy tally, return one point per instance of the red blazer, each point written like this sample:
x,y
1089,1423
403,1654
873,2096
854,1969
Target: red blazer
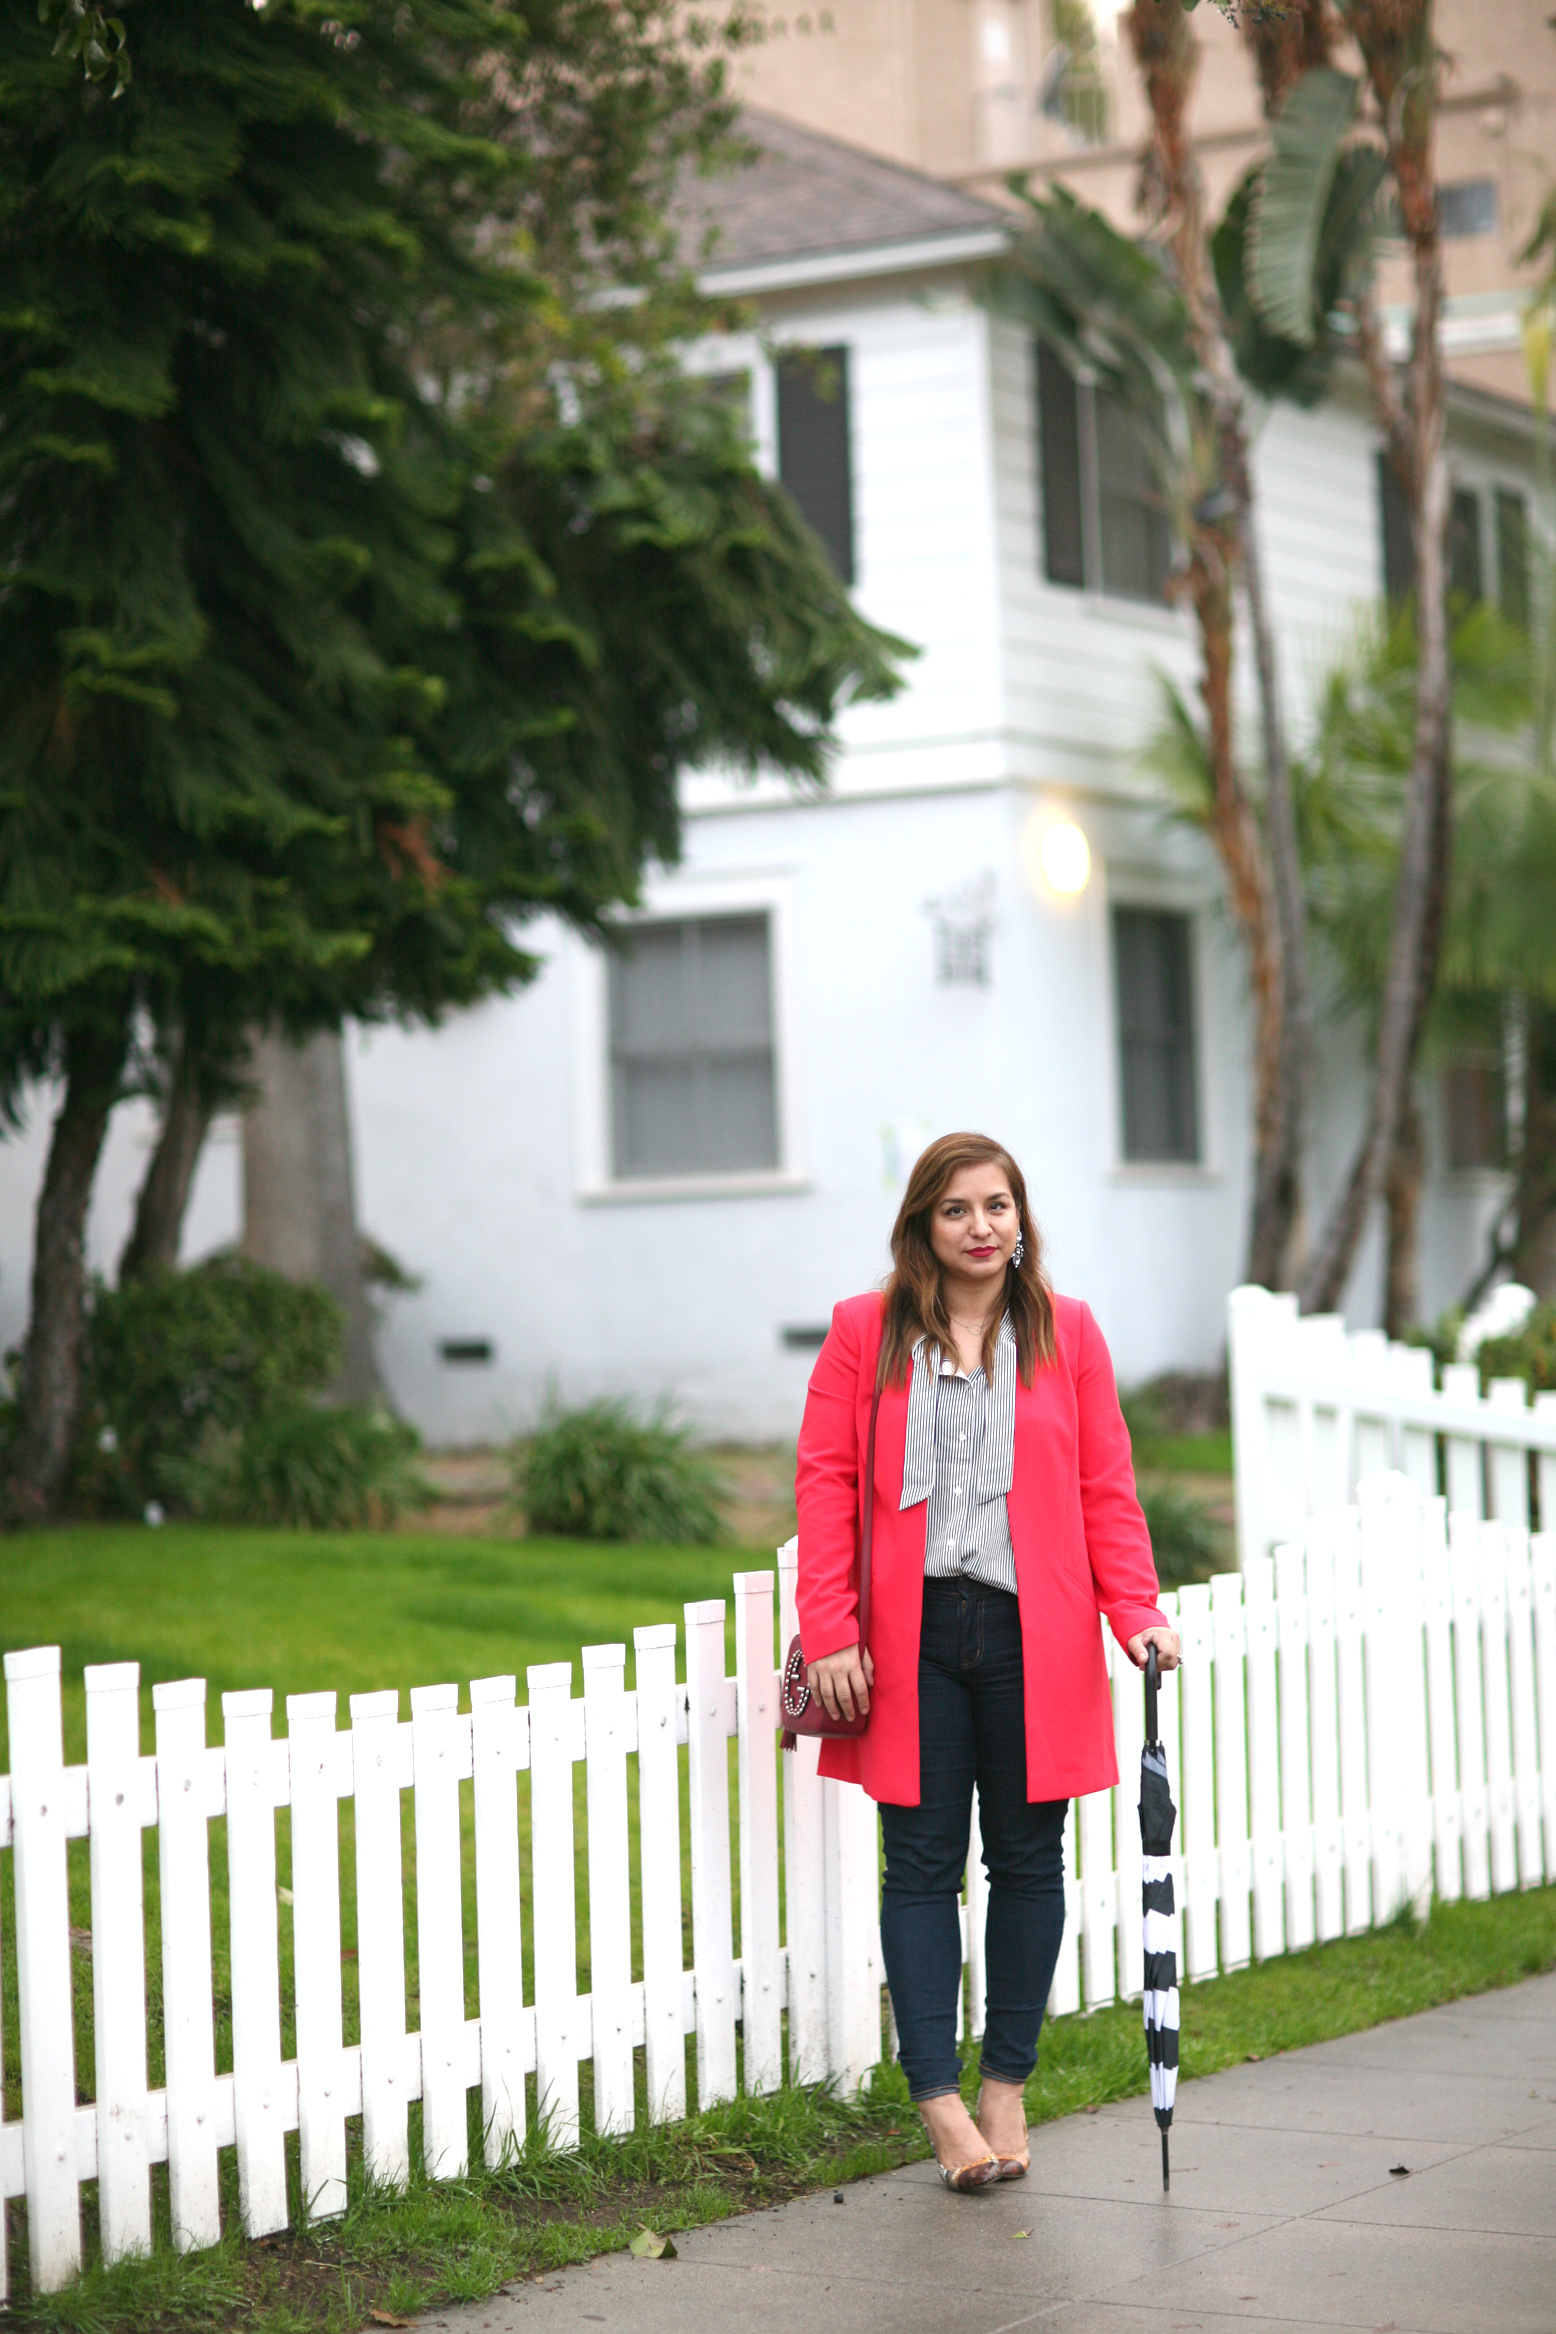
x,y
1080,1541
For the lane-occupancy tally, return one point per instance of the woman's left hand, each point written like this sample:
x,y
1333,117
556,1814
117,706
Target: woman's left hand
x,y
1167,1647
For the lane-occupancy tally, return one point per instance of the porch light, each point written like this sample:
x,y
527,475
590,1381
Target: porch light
x,y
1061,854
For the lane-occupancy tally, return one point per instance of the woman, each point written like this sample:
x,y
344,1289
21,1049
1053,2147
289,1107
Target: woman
x,y
1004,1520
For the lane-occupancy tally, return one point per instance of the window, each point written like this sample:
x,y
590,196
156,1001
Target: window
x,y
1512,514
814,456
1104,522
691,1049
1464,576
1466,580
1467,206
1474,1119
1153,975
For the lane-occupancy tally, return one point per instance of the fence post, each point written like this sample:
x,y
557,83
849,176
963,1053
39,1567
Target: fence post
x,y
1291,1622
1526,1746
1494,1696
553,1895
1463,1534
1386,1725
804,1872
659,1854
1355,1816
1129,1739
494,1759
386,2048
1099,1886
32,1682
1463,1471
189,2043
1545,1472
440,1931
712,1910
1264,1811
853,1936
1437,1621
1230,1638
1507,1464
973,1916
1324,1711
321,2099
1542,1553
1201,1878
756,1688
119,1974
610,1901
259,2088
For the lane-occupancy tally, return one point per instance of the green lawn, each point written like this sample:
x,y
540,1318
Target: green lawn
x,y
298,1611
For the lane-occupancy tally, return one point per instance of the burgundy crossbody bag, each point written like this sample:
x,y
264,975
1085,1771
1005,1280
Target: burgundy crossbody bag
x,y
803,1711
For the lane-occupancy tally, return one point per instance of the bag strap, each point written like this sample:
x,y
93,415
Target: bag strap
x,y
868,1533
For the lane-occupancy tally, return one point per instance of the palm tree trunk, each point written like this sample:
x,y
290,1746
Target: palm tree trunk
x,y
1396,41
164,1192
1407,1168
49,1388
1263,869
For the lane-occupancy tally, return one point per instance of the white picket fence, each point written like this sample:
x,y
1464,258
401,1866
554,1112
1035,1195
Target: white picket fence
x,y
1316,1407
1359,1718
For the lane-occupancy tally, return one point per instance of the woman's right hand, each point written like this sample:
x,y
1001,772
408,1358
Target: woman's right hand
x,y
843,1681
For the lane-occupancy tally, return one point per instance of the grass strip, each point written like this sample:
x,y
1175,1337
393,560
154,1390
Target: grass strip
x,y
397,2255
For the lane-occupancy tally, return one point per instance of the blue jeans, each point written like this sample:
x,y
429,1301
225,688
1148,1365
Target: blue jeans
x,y
972,1729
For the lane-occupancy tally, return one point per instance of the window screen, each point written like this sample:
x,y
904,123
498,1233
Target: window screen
x,y
1473,1114
814,459
1399,551
691,1046
1059,446
1465,583
1131,523
1152,964
1467,206
1512,555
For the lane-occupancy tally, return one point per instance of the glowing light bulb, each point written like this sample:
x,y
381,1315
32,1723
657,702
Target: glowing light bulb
x,y
1057,856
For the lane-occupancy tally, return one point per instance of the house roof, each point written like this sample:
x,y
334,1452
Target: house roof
x,y
807,201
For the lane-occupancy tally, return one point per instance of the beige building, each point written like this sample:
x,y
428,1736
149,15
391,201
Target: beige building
x,y
970,90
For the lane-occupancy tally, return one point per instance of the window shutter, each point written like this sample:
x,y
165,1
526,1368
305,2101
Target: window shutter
x,y
1464,575
1512,556
814,456
1399,555
1059,443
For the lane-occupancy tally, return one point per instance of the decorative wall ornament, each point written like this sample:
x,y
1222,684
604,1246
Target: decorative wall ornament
x,y
964,922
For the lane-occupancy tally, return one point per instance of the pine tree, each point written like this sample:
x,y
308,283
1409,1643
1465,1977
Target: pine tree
x,y
331,647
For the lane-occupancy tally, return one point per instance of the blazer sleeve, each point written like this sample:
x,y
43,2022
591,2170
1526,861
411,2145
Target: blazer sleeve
x,y
826,1494
1118,1542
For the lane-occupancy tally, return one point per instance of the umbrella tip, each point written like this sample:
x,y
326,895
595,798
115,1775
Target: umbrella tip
x,y
1166,2166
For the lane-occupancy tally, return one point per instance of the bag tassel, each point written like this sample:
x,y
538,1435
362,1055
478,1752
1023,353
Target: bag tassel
x,y
787,1741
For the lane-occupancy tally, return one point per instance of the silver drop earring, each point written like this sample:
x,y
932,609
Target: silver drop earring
x,y
1018,1251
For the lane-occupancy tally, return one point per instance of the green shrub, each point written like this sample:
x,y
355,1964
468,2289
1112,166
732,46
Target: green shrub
x,y
603,1473
305,1465
180,1356
1529,1354
1183,1538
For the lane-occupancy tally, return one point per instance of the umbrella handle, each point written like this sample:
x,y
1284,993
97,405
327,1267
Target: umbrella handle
x,y
1152,1680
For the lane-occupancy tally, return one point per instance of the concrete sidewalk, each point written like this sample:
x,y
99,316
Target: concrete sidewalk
x,y
1284,2209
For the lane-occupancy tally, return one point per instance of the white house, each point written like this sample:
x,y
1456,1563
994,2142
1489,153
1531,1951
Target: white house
x,y
655,1174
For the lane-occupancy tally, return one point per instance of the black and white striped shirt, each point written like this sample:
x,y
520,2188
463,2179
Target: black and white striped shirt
x,y
960,1457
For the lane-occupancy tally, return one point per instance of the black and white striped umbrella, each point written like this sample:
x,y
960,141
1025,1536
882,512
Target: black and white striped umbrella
x,y
1157,1818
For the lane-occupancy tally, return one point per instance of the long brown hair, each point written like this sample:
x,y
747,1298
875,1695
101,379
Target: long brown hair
x,y
914,1297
